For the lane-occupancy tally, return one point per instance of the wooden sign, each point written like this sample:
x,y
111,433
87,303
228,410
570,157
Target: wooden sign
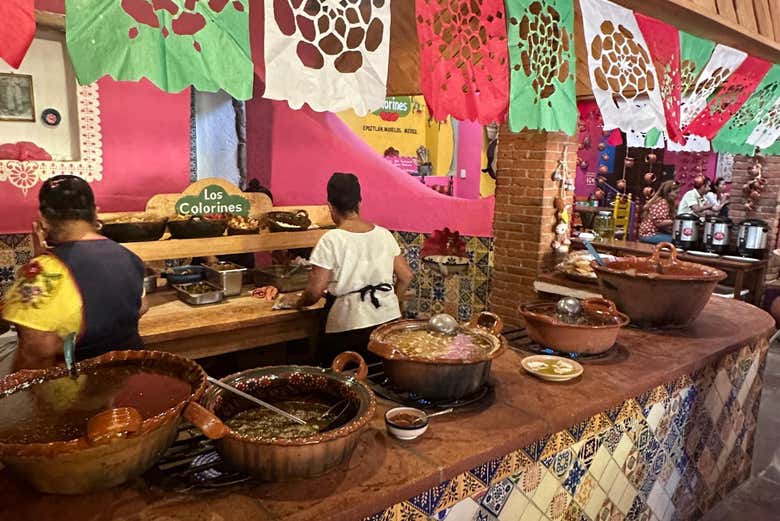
x,y
213,199
210,196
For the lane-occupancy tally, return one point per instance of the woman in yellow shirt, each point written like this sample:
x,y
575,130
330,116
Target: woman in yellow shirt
x,y
85,289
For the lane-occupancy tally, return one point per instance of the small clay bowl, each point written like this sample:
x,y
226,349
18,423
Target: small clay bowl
x,y
402,431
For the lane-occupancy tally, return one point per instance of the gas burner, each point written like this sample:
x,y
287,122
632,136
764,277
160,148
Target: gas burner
x,y
192,464
519,341
479,400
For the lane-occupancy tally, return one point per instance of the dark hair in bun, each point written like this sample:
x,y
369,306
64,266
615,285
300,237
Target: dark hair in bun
x,y
344,192
67,198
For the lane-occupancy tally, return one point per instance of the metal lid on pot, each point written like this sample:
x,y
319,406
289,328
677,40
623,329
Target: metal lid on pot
x,y
686,217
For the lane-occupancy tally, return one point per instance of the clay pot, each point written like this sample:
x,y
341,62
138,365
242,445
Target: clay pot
x,y
586,143
754,170
598,194
602,147
118,447
651,158
649,178
281,459
584,164
648,191
755,196
605,157
621,184
547,330
603,169
629,162
658,292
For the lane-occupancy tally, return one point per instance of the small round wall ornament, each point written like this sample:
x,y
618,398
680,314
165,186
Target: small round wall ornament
x,y
51,117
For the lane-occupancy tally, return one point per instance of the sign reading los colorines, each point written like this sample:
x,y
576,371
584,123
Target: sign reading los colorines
x,y
212,199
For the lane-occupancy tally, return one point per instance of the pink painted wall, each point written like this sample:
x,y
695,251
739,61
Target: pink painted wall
x,y
469,159
307,147
146,147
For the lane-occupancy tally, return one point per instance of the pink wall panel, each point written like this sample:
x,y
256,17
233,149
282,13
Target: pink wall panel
x,y
307,147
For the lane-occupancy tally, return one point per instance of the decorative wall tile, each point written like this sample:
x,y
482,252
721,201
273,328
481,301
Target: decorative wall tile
x,y
15,251
461,295
661,456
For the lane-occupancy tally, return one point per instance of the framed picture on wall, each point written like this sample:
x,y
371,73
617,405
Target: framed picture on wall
x,y
17,102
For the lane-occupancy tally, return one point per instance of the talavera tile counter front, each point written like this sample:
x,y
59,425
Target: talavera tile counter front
x,y
659,430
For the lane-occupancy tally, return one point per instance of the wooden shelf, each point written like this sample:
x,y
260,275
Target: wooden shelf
x,y
231,244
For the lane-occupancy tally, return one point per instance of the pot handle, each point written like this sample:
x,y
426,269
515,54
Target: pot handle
x,y
489,321
656,257
206,421
599,304
341,361
113,423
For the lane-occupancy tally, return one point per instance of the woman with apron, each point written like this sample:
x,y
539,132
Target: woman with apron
x,y
85,289
359,268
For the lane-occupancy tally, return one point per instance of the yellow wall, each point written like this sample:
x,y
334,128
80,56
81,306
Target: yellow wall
x,y
408,131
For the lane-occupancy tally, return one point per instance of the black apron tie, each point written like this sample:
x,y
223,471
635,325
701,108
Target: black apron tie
x,y
371,291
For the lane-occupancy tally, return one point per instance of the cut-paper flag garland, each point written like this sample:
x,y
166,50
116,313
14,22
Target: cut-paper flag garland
x,y
542,65
331,55
173,43
464,59
17,30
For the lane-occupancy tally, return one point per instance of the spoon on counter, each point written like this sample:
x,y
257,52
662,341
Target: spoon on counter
x,y
253,399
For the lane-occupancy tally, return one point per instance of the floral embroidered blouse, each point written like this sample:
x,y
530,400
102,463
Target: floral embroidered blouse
x,y
45,297
656,214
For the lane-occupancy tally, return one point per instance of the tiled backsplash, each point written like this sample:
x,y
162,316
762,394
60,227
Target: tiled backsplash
x,y
468,293
668,454
15,251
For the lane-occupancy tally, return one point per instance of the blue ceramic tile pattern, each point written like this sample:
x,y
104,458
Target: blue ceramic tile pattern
x,y
473,287
658,469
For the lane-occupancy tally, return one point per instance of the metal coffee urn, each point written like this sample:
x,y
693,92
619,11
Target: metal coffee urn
x,y
685,233
716,234
752,238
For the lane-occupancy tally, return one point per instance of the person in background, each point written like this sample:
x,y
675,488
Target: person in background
x,y
354,267
694,200
717,197
85,289
658,216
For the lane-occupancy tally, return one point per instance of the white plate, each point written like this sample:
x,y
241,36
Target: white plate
x,y
552,368
744,259
702,253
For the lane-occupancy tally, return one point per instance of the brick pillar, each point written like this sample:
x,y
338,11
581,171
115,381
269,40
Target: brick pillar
x,y
524,220
767,205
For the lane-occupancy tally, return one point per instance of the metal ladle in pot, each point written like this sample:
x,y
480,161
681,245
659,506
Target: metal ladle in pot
x,y
444,323
568,309
255,400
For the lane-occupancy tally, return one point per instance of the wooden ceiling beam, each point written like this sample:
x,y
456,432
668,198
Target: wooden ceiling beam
x,y
689,17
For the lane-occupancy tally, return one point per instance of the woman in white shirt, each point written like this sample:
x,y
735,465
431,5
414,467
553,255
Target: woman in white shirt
x,y
354,267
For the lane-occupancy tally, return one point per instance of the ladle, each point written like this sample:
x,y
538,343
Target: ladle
x,y
254,399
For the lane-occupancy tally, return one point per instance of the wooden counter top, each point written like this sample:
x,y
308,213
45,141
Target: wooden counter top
x,y
235,323
384,471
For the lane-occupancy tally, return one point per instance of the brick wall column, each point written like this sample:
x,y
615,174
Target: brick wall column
x,y
524,218
767,208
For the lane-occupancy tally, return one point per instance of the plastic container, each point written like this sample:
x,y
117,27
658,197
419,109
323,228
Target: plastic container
x,y
604,226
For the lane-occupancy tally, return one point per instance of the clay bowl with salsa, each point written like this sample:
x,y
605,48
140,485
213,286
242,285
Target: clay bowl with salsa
x,y
437,366
658,291
592,332
110,423
269,446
